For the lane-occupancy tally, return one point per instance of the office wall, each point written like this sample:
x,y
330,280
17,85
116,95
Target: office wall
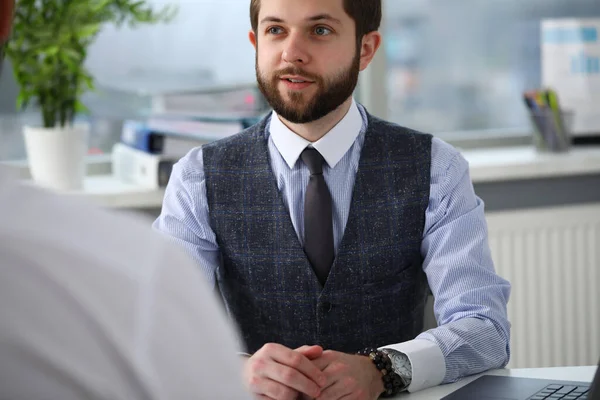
x,y
8,90
550,256
11,141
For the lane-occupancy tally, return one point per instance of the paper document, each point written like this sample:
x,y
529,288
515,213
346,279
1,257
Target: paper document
x,y
571,66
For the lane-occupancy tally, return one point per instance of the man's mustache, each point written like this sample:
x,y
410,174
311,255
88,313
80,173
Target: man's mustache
x,y
297,72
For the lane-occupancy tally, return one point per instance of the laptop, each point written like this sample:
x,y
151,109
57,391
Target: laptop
x,y
490,387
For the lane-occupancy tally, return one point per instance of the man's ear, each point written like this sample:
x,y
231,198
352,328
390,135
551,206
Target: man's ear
x,y
370,44
252,37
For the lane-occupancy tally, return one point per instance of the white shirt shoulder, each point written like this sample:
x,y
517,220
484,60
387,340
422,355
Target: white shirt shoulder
x,y
96,305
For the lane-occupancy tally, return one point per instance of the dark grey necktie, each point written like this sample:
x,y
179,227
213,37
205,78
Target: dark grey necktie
x,y
318,221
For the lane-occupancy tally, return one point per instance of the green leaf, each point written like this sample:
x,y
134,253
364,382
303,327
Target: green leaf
x,y
80,107
73,55
49,44
22,101
73,65
89,30
52,51
89,82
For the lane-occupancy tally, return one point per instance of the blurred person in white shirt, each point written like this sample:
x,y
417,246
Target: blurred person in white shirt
x,y
90,308
89,311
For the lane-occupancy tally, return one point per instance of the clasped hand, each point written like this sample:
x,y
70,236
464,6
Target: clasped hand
x,y
276,372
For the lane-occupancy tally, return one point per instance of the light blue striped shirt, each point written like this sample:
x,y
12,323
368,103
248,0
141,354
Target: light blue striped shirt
x,y
470,298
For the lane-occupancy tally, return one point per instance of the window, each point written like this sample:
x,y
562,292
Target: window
x,y
11,141
462,65
453,65
205,46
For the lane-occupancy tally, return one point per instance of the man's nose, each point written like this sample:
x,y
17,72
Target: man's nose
x,y
295,51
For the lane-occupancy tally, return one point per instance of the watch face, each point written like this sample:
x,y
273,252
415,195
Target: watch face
x,y
400,364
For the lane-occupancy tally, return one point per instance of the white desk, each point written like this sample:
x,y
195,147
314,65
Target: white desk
x,y
516,163
486,165
582,374
107,191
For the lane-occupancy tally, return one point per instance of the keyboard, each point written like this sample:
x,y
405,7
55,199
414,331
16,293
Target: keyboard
x,y
555,392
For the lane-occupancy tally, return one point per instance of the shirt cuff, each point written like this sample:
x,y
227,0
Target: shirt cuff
x,y
427,362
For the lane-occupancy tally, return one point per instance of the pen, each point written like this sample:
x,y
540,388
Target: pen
x,y
537,117
552,101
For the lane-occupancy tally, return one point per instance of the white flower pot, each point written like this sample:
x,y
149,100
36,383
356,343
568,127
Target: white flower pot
x,y
57,155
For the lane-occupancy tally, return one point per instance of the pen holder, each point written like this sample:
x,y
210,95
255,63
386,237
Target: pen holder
x,y
552,130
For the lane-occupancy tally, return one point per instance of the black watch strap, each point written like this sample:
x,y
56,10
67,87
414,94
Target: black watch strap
x,y
392,382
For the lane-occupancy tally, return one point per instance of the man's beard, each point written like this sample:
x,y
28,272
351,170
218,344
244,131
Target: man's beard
x,y
299,108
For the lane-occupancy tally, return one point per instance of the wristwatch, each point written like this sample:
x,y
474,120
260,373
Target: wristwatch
x,y
401,365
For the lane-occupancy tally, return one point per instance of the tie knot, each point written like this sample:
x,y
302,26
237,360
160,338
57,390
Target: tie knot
x,y
313,160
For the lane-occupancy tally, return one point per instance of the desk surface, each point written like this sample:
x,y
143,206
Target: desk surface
x,y
582,374
518,163
486,165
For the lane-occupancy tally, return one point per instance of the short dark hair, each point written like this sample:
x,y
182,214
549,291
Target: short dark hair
x,y
365,13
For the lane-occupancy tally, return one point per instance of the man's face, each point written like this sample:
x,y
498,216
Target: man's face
x,y
307,58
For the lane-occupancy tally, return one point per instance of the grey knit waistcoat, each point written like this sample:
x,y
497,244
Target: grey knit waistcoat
x,y
376,290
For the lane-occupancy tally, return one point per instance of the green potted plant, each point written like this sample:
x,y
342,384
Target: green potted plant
x,y
48,48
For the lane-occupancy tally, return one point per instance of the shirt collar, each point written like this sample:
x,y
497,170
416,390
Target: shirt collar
x,y
332,146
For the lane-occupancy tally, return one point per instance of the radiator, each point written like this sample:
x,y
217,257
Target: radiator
x,y
552,259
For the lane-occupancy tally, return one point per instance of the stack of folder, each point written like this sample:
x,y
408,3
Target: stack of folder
x,y
551,123
149,149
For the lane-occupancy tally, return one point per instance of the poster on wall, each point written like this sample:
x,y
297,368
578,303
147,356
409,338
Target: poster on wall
x,y
571,65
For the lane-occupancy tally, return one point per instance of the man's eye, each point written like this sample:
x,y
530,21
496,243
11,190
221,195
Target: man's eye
x,y
275,30
322,31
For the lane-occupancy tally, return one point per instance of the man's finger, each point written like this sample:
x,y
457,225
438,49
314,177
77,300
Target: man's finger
x,y
291,378
276,390
299,362
325,360
335,392
310,352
